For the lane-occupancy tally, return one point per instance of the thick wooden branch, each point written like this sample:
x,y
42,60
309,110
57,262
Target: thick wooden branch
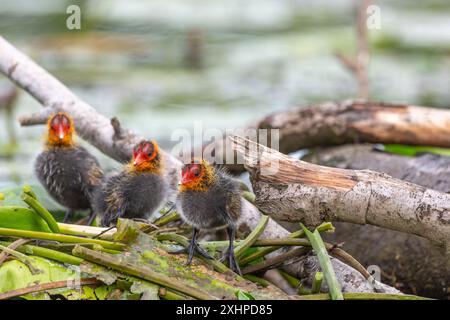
x,y
352,121
427,169
293,190
55,96
114,140
359,121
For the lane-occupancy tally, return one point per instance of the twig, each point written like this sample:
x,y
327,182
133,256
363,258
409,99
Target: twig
x,y
45,287
22,258
13,246
277,260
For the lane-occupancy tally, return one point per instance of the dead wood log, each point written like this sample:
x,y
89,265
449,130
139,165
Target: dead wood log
x,y
408,262
293,190
428,170
352,121
113,140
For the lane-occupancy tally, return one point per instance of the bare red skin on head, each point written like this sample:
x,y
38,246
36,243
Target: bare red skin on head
x,y
144,155
197,176
191,172
60,129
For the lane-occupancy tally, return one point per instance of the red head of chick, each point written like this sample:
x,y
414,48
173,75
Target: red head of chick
x,y
68,172
138,190
209,199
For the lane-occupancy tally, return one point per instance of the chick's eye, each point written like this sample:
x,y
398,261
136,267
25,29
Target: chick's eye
x,y
195,171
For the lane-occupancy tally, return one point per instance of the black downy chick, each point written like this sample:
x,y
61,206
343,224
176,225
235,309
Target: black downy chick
x,y
68,172
137,191
209,199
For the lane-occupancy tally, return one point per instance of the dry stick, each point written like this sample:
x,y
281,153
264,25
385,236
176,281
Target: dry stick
x,y
359,64
22,258
293,190
13,246
45,287
143,272
277,260
332,249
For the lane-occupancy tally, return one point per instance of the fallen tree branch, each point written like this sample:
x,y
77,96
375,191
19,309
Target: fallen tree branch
x,y
428,170
55,96
312,194
336,123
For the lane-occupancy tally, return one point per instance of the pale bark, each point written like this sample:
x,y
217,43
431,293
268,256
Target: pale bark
x,y
312,194
352,121
116,142
105,134
411,263
427,169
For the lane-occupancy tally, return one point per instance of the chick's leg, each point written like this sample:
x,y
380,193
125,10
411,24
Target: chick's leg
x,y
68,215
229,255
91,218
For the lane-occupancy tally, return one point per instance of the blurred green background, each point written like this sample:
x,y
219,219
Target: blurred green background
x,y
160,65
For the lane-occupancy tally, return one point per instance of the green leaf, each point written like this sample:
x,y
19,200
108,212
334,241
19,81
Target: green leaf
x,y
325,263
413,150
242,295
21,218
